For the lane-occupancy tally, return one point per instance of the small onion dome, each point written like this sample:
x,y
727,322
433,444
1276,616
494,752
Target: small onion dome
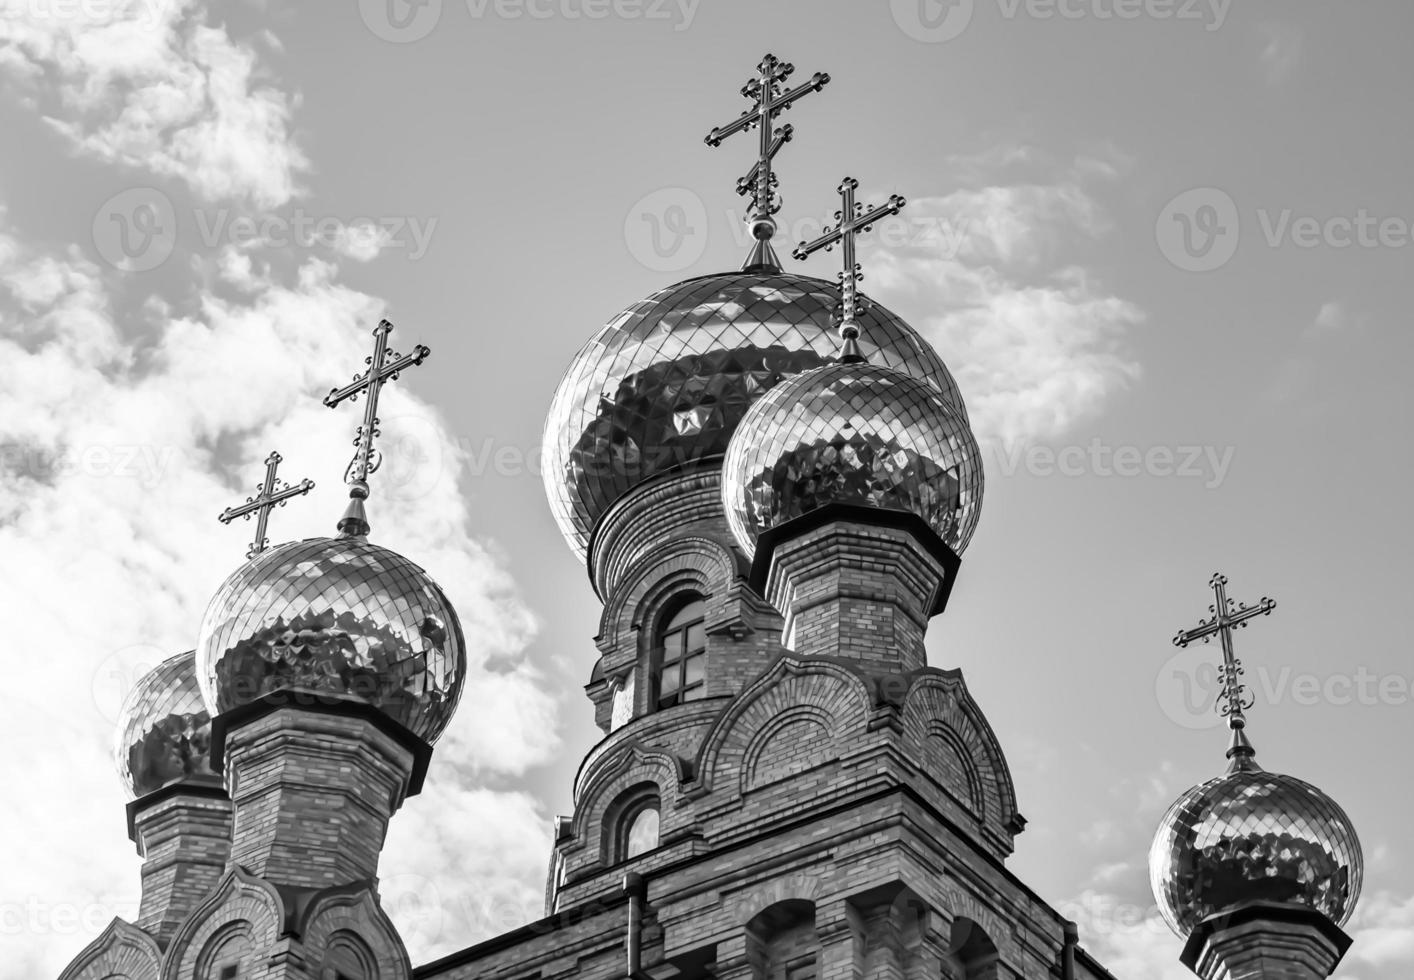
x,y
858,434
665,383
338,618
1251,835
164,730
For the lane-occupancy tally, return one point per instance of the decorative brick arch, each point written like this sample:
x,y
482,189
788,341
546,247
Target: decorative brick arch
x,y
837,698
939,707
796,739
353,916
240,901
613,776
121,952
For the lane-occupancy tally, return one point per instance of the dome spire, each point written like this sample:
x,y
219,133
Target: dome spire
x,y
853,218
760,181
1234,699
268,496
383,365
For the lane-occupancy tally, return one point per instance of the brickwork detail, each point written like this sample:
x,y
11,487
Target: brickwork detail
x,y
241,907
353,920
313,794
185,841
853,590
121,951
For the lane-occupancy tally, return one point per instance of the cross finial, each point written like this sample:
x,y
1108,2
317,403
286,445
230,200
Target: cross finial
x,y
383,366
760,181
268,496
852,219
1234,699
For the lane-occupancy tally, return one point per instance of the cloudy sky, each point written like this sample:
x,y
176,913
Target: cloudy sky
x,y
1164,247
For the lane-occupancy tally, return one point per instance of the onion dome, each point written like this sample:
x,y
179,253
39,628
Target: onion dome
x,y
665,383
859,434
1251,835
164,730
334,618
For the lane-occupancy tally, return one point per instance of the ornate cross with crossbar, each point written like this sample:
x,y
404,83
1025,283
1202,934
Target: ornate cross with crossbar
x,y
853,218
1228,615
383,365
268,496
760,181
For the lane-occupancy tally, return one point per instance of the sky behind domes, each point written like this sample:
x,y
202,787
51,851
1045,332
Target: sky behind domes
x,y
525,177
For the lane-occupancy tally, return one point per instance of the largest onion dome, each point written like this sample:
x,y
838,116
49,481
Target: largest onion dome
x,y
665,383
335,618
859,434
164,730
1251,835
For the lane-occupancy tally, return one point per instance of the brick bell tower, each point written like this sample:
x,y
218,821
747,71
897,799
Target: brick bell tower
x,y
179,818
771,481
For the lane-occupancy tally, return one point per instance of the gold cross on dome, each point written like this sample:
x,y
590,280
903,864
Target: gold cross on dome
x,y
760,181
1227,615
383,366
853,218
268,496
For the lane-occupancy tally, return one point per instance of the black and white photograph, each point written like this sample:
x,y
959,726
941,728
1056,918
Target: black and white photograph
x,y
706,490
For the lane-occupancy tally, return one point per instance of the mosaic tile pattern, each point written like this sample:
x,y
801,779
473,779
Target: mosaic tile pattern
x,y
164,730
858,434
1252,835
335,616
667,381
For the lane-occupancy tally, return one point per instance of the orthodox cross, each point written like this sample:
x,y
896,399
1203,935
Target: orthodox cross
x,y
852,218
1228,615
383,366
760,181
268,496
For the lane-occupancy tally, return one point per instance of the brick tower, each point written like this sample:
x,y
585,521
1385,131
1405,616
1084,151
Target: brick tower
x,y
179,818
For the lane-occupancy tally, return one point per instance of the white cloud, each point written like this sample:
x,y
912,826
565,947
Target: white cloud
x,y
1036,345
109,446
147,84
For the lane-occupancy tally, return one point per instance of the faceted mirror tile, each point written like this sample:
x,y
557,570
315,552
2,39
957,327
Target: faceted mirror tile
x,y
853,433
164,731
666,382
1254,835
335,616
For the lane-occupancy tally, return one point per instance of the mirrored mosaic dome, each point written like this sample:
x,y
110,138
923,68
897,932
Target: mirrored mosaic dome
x,y
666,382
334,617
857,434
1252,835
164,730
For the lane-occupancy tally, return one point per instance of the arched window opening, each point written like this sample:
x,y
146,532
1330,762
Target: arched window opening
x,y
681,656
347,959
641,833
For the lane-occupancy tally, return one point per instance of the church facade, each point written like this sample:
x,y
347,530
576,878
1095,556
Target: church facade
x,y
771,480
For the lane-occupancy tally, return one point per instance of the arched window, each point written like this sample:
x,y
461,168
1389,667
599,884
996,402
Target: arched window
x,y
641,834
681,656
